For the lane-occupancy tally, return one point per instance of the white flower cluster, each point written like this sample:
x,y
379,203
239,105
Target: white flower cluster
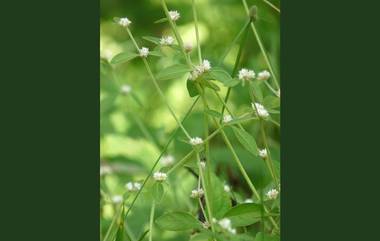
x,y
227,188
246,75
272,194
261,111
126,89
197,193
174,15
188,47
225,223
168,40
167,160
263,153
248,200
196,141
263,75
144,52
203,164
133,186
227,118
200,69
160,176
124,22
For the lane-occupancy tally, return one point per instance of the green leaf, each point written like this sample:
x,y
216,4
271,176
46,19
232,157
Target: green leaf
x,y
265,237
240,120
271,102
143,235
247,141
191,88
172,72
214,113
211,85
220,75
123,57
158,191
177,221
162,20
255,87
244,214
232,82
204,236
220,201
151,39
156,53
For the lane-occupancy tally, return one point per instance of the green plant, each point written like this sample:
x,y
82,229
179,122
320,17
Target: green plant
x,y
216,217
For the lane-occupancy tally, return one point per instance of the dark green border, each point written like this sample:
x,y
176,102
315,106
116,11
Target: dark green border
x,y
330,123
49,120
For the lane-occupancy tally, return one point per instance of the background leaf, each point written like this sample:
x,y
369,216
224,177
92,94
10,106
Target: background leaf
x,y
247,141
177,221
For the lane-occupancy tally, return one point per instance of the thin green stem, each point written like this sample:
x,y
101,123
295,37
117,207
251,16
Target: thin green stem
x,y
181,162
158,87
261,47
159,157
272,6
197,31
151,219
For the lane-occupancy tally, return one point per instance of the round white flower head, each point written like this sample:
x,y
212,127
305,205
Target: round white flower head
x,y
203,164
263,153
132,186
174,15
248,200
263,75
167,160
227,118
169,40
160,176
272,194
117,199
126,89
206,65
246,75
197,193
200,69
196,141
261,111
124,22
225,223
144,52
227,188
188,47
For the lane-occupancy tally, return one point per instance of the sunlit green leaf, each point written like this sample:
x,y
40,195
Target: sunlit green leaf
x,y
247,141
172,72
177,221
123,57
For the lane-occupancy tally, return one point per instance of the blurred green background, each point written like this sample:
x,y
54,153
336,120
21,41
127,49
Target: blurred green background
x,y
132,134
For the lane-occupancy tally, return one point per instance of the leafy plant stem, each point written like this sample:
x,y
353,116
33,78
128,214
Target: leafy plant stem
x,y
151,219
195,16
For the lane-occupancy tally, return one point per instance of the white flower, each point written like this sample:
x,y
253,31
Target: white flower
x,y
124,22
261,111
126,89
263,153
160,176
144,52
117,199
227,188
225,223
203,164
272,194
263,75
174,15
200,69
188,47
133,186
167,160
227,118
246,75
248,200
196,193
196,141
169,40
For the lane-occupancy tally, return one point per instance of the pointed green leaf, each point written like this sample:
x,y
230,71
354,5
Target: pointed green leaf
x,y
123,57
143,235
214,113
244,214
151,39
177,221
271,102
220,200
162,20
247,141
172,72
220,75
156,53
191,88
